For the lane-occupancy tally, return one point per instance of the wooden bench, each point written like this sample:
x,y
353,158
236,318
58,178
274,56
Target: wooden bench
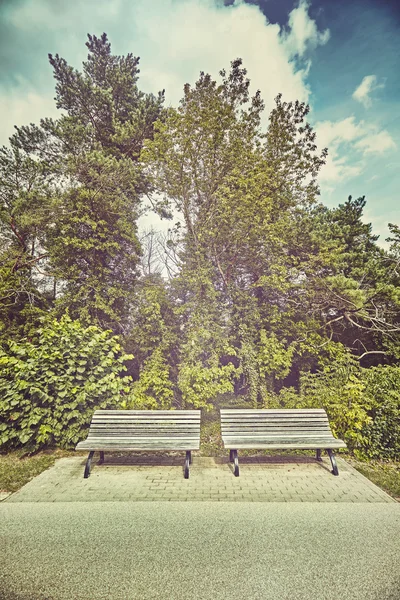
x,y
128,430
278,429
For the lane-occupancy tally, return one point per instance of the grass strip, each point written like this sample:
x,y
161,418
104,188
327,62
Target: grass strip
x,y
385,475
17,468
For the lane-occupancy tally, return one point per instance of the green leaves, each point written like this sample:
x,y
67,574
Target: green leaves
x,y
200,385
71,191
154,389
49,390
363,405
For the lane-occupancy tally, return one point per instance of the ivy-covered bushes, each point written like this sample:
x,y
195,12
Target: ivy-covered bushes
x,y
50,388
383,431
154,389
363,405
199,386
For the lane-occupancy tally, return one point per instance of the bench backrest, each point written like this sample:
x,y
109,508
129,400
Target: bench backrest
x,y
146,423
269,421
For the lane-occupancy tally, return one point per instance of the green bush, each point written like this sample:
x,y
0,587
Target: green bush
x,y
49,389
363,405
154,389
341,390
383,432
200,385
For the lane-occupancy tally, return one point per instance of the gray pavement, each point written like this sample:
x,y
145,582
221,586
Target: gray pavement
x,y
286,529
199,551
157,478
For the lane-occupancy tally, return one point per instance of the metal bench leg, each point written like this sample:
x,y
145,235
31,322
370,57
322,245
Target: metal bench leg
x,y
230,455
335,470
88,464
235,462
101,458
188,461
318,457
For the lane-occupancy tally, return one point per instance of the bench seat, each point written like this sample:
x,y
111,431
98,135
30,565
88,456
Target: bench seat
x,y
131,430
277,429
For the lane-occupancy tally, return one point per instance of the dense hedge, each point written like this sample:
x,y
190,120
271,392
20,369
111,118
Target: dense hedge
x,y
363,405
49,389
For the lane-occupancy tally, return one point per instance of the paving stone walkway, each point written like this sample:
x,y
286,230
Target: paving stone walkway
x,y
160,478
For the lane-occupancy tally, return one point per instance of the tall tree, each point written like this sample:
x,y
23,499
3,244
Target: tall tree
x,y
25,212
91,154
239,191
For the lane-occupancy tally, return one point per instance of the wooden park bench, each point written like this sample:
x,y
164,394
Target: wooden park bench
x,y
127,430
278,429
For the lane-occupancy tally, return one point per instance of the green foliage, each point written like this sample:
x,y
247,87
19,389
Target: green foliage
x,y
154,389
383,432
268,292
199,385
70,195
103,104
273,358
25,212
153,323
201,373
262,363
363,405
340,389
93,246
49,389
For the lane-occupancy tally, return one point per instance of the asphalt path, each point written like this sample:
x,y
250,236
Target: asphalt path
x,y
199,551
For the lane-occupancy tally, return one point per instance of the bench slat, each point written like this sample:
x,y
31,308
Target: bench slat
x,y
275,418
144,427
308,445
172,415
285,426
125,434
185,444
280,413
274,421
158,413
271,411
277,428
162,423
143,430
277,437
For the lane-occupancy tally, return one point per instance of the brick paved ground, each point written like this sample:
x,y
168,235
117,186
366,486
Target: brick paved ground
x,y
157,477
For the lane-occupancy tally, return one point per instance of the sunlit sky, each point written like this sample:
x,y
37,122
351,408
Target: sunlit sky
x,y
341,57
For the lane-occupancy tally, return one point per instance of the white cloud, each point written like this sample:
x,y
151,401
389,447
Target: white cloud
x,y
367,86
380,222
176,39
336,132
303,34
377,143
23,106
189,36
345,140
336,170
334,135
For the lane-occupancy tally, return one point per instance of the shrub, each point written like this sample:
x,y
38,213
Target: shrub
x,y
154,389
340,389
383,432
49,389
199,385
363,405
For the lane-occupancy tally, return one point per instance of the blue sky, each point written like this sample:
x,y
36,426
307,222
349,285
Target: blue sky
x,y
341,57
